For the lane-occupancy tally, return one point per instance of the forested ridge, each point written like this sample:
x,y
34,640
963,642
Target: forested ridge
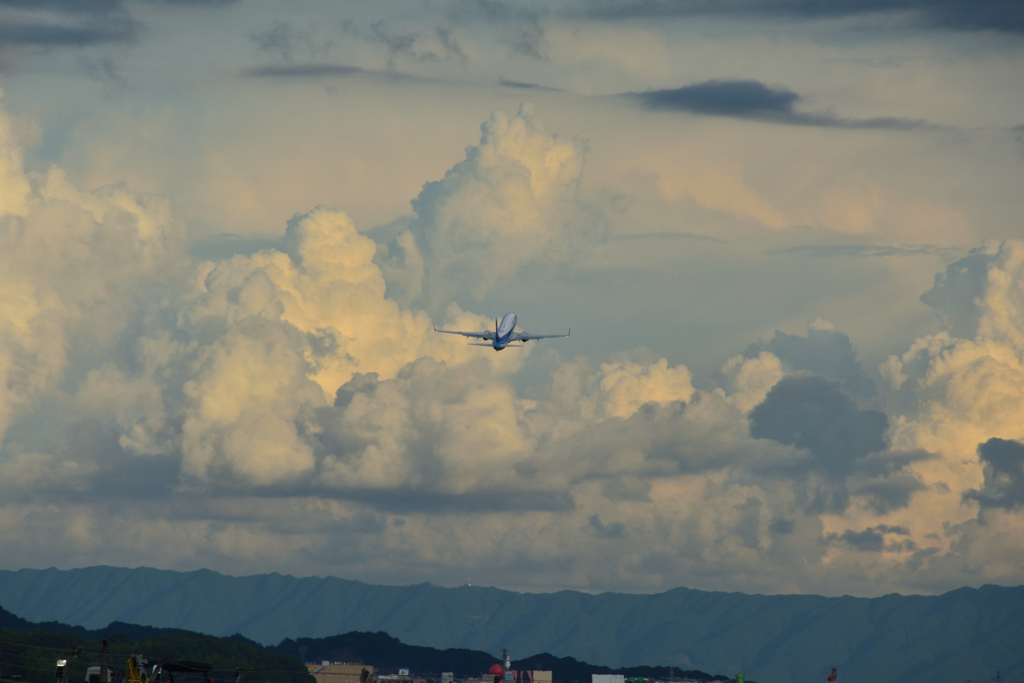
x,y
32,655
30,651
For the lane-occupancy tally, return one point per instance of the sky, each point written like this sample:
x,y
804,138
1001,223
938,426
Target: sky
x,y
786,236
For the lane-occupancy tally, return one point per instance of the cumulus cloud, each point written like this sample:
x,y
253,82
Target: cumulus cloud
x,y
290,407
824,351
629,386
980,296
274,335
512,202
962,389
76,269
750,379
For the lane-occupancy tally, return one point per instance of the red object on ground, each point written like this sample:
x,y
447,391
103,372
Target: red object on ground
x,y
496,670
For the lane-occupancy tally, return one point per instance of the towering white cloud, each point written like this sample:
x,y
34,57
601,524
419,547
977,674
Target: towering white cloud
x,y
511,202
76,269
964,388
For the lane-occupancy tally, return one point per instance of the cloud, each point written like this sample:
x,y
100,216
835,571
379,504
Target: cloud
x,y
960,388
521,85
430,429
723,98
868,540
522,26
607,531
866,250
397,44
978,296
450,43
196,3
750,99
957,15
77,24
321,70
824,351
455,431
76,269
885,493
279,333
628,386
810,412
119,30
750,379
513,201
283,404
873,539
284,41
306,52
1003,463
670,236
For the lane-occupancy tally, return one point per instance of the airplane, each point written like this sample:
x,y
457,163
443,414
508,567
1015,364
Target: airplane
x,y
504,334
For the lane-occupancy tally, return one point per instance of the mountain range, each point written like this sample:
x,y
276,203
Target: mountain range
x,y
964,634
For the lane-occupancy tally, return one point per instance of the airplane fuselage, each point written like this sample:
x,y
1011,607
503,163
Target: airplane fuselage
x,y
503,331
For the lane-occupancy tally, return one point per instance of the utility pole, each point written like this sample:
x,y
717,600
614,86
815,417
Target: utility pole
x,y
69,665
157,670
103,663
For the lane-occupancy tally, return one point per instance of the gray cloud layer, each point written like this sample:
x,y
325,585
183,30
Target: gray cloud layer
x,y
1003,462
958,15
813,413
750,99
77,23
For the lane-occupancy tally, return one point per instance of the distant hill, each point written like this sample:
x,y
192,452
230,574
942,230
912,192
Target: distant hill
x,y
964,634
29,650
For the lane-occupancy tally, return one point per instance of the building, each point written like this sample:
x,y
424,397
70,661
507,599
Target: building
x,y
339,672
401,677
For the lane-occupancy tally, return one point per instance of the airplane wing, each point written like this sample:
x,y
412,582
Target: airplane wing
x,y
526,336
474,335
